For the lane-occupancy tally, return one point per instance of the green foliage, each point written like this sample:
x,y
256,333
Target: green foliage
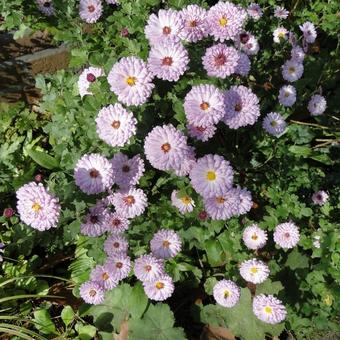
x,y
156,324
240,319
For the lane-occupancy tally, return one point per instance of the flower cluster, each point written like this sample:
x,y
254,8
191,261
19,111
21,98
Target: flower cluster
x,y
167,147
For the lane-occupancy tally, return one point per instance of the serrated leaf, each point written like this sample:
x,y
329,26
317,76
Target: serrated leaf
x,y
297,260
240,319
156,324
43,159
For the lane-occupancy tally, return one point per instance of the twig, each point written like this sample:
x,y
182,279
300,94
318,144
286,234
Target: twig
x,y
309,124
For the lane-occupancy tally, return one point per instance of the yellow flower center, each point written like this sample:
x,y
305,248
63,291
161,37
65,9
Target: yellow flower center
x,y
287,94
291,70
36,207
254,237
186,200
211,175
253,270
223,21
268,309
159,285
227,293
281,35
273,123
166,244
131,81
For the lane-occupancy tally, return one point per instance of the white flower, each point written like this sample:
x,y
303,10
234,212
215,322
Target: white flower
x,y
254,237
254,271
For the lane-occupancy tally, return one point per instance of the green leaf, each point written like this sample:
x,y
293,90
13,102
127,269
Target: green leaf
x,y
240,319
156,324
67,315
269,287
303,151
215,253
43,322
297,260
43,159
86,332
119,305
137,301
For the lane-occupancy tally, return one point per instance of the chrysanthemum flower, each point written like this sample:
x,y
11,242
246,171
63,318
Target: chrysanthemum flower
x,y
280,34
87,77
95,221
226,293
93,174
320,197
164,27
269,309
148,268
46,7
160,288
243,65
92,292
309,32
195,27
204,105
212,175
254,271
247,43
115,125
200,132
37,207
225,20
245,200
184,203
131,81
165,147
116,244
115,223
168,61
104,275
120,264
274,124
222,207
281,13
254,11
165,244
241,107
90,10
286,235
297,54
317,105
220,60
254,237
129,203
287,95
292,70
127,171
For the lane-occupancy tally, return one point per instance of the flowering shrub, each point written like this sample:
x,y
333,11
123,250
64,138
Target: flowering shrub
x,y
184,168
